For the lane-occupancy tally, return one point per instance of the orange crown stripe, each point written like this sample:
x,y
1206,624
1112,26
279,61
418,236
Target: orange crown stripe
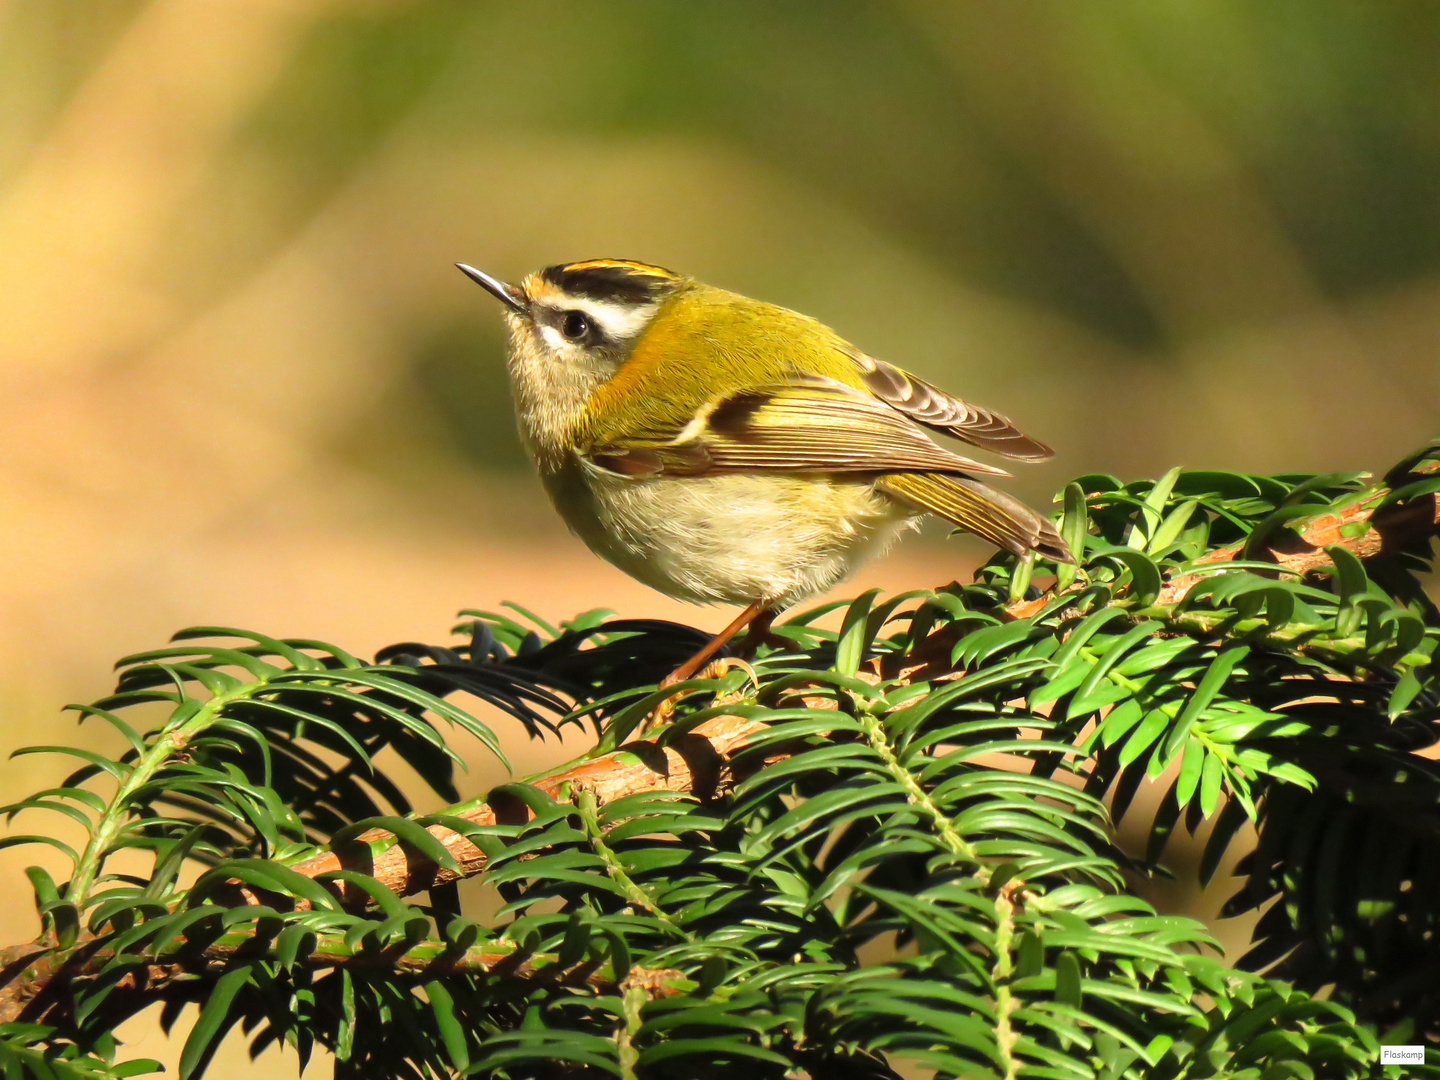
x,y
621,264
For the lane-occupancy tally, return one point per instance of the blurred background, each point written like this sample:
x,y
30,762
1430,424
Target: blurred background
x,y
244,385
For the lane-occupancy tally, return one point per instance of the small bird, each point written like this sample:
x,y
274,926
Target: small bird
x,y
725,450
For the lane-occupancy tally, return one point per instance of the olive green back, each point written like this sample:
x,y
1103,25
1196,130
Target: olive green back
x,y
703,344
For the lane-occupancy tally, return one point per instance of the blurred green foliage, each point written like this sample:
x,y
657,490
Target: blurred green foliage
x,y
1062,158
1329,106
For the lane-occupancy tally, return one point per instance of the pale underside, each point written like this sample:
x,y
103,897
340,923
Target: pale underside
x,y
732,538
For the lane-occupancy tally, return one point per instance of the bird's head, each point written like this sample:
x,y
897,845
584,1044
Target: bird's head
x,y
585,316
571,327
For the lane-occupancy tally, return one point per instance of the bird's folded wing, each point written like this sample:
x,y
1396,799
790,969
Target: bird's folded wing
x,y
933,407
816,427
997,516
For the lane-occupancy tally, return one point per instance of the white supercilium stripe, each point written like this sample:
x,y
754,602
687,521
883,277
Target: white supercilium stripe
x,y
618,322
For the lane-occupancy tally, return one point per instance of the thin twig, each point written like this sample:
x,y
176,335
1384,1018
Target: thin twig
x,y
697,763
38,974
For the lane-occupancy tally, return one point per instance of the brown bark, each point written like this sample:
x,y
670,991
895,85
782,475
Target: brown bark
x,y
25,971
697,763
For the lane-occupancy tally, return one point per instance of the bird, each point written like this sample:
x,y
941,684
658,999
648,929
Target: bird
x,y
723,449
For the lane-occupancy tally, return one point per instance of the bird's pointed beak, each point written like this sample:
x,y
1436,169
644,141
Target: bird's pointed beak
x,y
508,295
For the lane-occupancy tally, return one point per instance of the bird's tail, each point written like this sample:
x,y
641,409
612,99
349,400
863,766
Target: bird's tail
x,y
1000,518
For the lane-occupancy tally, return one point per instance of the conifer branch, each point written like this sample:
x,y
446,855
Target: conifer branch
x,y
1163,648
699,763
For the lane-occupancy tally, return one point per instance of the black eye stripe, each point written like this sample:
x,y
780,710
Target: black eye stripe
x,y
574,325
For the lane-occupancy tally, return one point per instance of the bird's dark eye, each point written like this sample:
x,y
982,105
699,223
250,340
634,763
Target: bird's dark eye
x,y
574,325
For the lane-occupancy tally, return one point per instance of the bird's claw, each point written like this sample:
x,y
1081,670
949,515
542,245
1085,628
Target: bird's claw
x,y
661,714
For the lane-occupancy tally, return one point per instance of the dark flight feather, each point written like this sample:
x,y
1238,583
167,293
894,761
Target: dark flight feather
x,y
929,405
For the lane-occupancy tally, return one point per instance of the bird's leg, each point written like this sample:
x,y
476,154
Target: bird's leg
x,y
751,614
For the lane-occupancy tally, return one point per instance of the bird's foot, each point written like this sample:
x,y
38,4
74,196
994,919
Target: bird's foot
x,y
660,715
